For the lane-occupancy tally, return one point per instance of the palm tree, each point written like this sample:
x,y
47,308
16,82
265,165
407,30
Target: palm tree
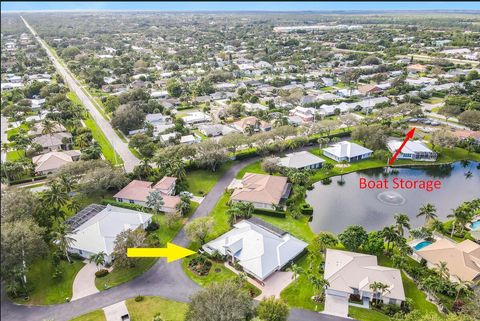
x,y
402,221
379,289
184,205
319,284
48,128
428,211
98,259
461,215
461,286
155,201
249,129
296,270
442,270
55,195
390,235
74,205
322,142
62,239
67,182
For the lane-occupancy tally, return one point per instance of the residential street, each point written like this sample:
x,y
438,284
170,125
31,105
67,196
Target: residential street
x,y
130,161
166,280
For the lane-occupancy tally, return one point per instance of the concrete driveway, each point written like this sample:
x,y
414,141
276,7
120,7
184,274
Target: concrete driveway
x,y
275,284
84,283
115,311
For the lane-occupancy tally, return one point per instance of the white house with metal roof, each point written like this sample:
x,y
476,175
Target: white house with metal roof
x,y
347,151
301,160
414,150
350,273
260,248
96,227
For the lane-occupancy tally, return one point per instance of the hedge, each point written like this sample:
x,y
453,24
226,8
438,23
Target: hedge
x,y
246,154
129,206
265,212
306,209
28,180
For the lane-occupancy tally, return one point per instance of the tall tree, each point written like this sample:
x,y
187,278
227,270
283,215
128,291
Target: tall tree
x,y
220,302
428,211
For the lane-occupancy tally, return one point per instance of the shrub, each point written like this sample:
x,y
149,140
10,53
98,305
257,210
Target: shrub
x,y
200,265
153,226
265,212
391,309
326,181
306,209
76,256
157,317
139,298
101,273
129,206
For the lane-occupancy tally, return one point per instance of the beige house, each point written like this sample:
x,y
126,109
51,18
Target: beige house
x,y
253,122
263,191
353,274
463,259
136,192
50,162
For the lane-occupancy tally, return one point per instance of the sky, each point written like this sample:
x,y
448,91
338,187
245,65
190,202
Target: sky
x,y
237,6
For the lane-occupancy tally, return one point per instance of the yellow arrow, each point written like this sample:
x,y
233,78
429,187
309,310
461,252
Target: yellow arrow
x,y
172,252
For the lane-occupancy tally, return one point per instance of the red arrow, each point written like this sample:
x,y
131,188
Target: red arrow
x,y
409,136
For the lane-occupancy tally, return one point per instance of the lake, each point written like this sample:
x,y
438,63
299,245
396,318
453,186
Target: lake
x,y
337,206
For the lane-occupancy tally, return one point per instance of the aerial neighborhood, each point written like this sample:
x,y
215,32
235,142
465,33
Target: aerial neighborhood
x,y
239,137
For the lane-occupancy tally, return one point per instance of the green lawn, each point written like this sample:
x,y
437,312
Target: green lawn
x,y
105,145
150,306
411,290
298,228
122,275
45,289
218,273
255,167
14,131
14,155
201,181
98,135
219,215
97,315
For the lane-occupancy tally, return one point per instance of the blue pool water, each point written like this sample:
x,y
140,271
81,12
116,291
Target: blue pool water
x,y
421,245
475,225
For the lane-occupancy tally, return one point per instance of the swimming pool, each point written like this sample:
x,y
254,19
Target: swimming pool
x,y
475,225
421,245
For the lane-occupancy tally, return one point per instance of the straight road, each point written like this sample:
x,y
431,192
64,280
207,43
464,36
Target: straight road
x,y
129,160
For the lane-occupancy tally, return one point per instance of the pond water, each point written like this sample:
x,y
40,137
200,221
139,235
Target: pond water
x,y
337,206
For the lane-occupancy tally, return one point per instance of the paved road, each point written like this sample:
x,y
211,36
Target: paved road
x,y
453,122
166,280
130,161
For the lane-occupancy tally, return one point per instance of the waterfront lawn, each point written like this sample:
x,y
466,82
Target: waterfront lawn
x,y
150,306
201,181
44,288
97,315
297,227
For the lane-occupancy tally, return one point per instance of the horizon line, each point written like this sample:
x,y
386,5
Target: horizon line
x,y
239,10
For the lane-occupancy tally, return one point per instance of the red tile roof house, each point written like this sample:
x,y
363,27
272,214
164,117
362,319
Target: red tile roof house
x,y
136,192
263,191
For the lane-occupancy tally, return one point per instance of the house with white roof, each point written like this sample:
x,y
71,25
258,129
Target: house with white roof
x,y
301,160
307,114
353,274
414,150
259,248
95,228
196,117
347,151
